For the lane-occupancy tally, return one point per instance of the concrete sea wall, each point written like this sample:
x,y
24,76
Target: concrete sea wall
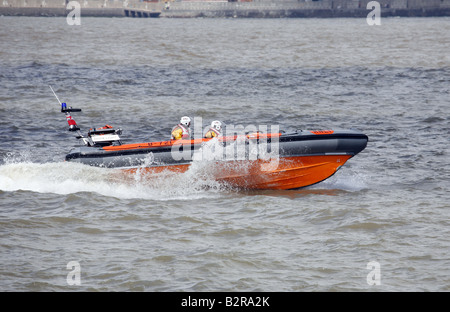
x,y
302,8
93,8
219,8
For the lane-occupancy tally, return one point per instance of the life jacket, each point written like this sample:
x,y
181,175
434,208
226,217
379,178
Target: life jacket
x,y
212,133
180,132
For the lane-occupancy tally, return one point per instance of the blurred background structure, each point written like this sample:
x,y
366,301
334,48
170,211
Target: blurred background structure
x,y
225,8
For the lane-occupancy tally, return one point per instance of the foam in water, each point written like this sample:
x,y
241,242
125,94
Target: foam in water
x,y
68,178
59,178
18,173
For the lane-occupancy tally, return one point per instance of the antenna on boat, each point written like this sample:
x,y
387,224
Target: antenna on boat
x,y
72,123
55,95
64,108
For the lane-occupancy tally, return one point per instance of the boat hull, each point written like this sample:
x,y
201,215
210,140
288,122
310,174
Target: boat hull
x,y
301,158
282,174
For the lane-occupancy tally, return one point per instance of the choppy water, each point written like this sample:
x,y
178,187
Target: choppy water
x,y
389,204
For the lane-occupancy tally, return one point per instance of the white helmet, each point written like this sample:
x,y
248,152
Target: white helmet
x,y
186,121
216,125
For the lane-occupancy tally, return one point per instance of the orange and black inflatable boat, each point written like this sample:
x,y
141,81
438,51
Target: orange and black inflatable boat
x,y
251,161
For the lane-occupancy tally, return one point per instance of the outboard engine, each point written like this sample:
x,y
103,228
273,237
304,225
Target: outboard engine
x,y
104,136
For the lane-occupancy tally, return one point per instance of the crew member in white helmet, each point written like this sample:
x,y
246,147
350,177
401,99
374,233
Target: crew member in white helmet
x,y
182,130
215,130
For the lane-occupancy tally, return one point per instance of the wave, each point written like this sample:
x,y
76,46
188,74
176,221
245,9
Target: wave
x,y
66,178
69,178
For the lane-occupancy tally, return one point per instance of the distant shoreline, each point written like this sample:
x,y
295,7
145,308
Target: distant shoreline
x,y
212,12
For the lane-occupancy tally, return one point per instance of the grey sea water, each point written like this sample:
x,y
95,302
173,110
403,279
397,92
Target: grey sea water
x,y
388,205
